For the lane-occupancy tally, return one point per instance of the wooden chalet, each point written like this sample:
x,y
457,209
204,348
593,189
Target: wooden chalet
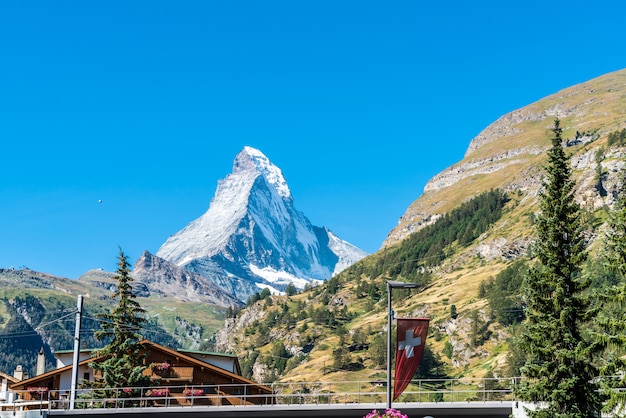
x,y
178,376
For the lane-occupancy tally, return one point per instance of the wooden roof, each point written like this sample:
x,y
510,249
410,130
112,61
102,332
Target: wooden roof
x,y
9,378
33,381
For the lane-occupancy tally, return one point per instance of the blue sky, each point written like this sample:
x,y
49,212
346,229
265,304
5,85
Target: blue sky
x,y
144,105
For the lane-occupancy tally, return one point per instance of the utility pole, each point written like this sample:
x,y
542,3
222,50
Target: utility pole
x,y
79,316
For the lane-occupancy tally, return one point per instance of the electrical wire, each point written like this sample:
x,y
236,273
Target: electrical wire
x,y
55,320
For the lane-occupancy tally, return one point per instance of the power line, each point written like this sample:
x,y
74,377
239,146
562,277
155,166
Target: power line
x,y
55,320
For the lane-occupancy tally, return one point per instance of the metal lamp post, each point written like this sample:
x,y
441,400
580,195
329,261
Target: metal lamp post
x,y
391,284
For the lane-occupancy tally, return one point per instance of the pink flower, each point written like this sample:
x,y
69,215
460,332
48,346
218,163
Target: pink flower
x,y
161,366
38,389
193,392
389,413
158,392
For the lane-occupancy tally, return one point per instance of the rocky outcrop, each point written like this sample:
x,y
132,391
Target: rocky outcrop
x,y
505,126
106,281
458,331
502,249
233,327
488,165
509,153
165,279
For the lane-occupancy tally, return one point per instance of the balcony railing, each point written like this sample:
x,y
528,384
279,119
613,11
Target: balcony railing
x,y
308,393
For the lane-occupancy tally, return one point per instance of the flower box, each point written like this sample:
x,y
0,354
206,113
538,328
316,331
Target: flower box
x,y
37,392
160,367
158,392
389,413
193,392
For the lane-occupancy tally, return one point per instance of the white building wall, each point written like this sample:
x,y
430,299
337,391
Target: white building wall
x,y
66,359
226,363
65,379
3,389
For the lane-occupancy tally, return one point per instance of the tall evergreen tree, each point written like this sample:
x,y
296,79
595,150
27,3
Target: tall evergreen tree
x,y
612,318
559,373
120,328
615,236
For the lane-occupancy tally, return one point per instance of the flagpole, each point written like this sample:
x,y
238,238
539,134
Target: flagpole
x,y
390,285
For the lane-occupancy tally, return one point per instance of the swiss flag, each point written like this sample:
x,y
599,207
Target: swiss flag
x,y
410,343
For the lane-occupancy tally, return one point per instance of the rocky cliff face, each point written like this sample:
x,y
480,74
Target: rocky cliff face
x,y
164,279
253,237
509,153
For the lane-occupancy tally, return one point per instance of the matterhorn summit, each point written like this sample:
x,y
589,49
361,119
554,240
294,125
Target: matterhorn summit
x,y
252,236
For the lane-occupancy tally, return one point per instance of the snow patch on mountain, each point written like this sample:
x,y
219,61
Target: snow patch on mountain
x,y
271,275
272,289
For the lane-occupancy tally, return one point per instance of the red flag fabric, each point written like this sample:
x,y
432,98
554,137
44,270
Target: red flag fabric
x,y
410,343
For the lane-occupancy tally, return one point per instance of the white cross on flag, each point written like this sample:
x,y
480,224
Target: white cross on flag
x,y
410,343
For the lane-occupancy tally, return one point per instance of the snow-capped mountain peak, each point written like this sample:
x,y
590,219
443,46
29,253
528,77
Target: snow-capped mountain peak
x,y
209,233
272,174
252,235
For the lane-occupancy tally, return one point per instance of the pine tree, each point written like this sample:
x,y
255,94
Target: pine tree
x,y
122,366
559,371
612,318
615,237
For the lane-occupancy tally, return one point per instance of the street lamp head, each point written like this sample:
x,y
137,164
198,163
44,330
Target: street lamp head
x,y
401,285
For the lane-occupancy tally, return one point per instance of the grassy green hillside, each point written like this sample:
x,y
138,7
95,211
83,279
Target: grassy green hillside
x,y
36,311
334,332
509,154
337,331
